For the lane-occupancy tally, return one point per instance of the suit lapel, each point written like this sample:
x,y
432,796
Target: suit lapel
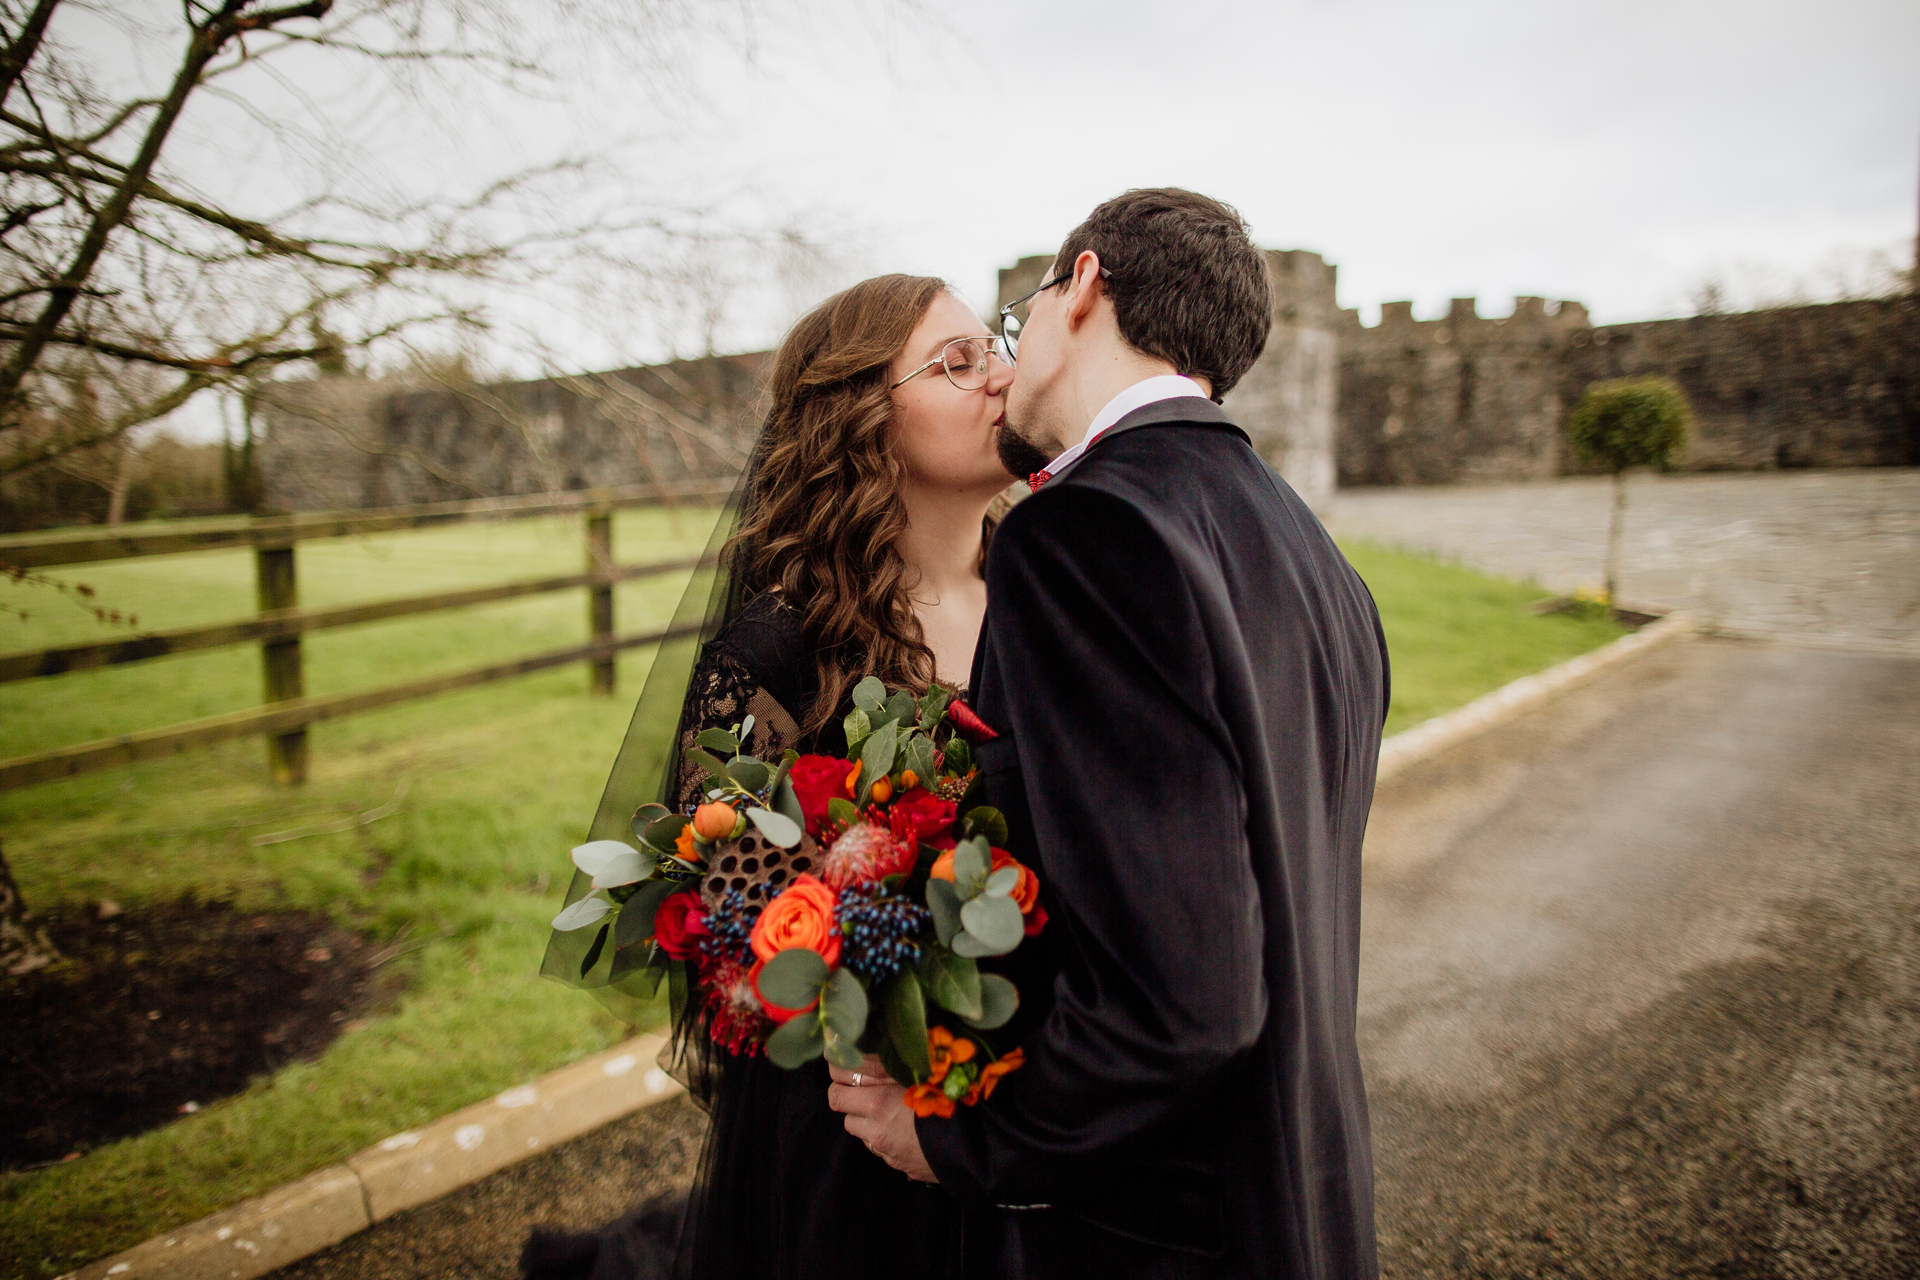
x,y
1179,409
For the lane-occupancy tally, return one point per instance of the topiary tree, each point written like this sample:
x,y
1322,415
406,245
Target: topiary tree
x,y
1622,423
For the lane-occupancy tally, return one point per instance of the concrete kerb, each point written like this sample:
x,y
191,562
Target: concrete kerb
x,y
413,1168
1424,741
408,1169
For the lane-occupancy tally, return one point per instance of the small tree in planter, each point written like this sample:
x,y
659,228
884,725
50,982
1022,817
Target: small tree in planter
x,y
1622,423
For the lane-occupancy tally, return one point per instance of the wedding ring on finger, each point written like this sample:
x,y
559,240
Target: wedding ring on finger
x,y
856,1079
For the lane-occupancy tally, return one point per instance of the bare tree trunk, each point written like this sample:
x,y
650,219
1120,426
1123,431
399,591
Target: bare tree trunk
x,y
24,946
1616,530
122,481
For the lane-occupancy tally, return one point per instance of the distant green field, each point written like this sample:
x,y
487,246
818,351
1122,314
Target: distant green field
x,y
500,780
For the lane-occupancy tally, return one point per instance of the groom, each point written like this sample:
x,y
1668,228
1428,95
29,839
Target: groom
x,y
1188,683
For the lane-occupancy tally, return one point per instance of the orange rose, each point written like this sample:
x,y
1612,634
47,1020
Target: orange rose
x,y
927,1100
779,1014
802,916
991,1073
944,1051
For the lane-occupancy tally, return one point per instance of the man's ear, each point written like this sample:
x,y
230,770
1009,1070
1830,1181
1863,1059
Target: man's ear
x,y
1086,291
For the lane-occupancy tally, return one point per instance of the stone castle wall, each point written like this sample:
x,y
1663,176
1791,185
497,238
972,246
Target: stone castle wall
x,y
1330,402
345,443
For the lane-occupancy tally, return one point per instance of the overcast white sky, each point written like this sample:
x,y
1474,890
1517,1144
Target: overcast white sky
x,y
1613,153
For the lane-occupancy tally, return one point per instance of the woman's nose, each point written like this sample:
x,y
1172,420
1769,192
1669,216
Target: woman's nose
x,y
999,376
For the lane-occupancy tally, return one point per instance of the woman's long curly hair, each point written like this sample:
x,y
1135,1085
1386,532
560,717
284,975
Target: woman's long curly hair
x,y
825,513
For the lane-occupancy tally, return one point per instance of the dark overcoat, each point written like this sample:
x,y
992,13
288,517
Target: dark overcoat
x,y
1189,682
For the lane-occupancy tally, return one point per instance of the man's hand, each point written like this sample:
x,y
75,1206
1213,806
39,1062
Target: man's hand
x,y
877,1114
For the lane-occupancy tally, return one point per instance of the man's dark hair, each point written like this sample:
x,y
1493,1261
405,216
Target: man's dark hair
x,y
1188,284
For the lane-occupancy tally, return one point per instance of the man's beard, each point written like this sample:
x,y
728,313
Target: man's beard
x,y
1019,455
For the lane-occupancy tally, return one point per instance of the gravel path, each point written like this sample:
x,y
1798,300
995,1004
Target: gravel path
x,y
1641,979
1823,556
1640,997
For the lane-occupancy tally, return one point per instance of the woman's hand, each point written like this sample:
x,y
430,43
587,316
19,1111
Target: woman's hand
x,y
876,1111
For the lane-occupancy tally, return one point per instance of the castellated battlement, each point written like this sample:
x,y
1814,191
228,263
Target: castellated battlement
x,y
1463,397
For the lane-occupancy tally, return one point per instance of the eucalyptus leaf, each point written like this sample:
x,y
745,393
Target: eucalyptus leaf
x,y
934,706
842,812
645,816
716,768
906,1011
593,952
951,981
843,1004
796,1043
944,903
994,922
664,834
746,728
901,710
965,944
840,1051
792,979
630,866
857,727
718,740
786,802
984,820
636,916
971,862
870,695
919,758
999,999
1001,882
751,774
776,827
876,756
594,856
581,914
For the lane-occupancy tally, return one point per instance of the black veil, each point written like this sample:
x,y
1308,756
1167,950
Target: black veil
x,y
648,763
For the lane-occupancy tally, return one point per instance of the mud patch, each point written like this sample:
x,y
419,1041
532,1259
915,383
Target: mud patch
x,y
156,1011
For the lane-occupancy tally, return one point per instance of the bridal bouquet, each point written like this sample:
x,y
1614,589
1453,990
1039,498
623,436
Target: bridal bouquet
x,y
828,906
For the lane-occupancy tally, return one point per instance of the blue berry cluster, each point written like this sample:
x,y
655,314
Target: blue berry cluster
x,y
730,925
878,928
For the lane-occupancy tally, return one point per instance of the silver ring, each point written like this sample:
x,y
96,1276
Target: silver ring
x,y
856,1079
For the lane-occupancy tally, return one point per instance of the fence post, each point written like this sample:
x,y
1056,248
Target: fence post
x,y
600,598
280,661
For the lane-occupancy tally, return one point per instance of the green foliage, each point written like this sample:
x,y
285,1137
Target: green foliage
x,y
1630,422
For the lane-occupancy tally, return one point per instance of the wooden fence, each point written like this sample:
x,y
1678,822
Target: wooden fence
x,y
281,623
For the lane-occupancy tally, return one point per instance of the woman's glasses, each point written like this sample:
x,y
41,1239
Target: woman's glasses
x,y
964,361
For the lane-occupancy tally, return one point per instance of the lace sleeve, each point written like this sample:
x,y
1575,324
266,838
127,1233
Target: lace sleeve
x,y
721,694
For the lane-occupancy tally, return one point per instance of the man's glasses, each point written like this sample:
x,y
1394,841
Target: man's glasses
x,y
1010,323
964,361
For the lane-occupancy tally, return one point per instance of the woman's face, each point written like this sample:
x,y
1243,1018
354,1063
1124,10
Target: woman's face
x,y
946,435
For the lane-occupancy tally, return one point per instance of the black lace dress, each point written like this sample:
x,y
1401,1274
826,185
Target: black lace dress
x,y
783,1192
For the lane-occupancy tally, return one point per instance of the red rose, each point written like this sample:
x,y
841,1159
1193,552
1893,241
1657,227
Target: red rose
x,y
679,925
920,815
816,780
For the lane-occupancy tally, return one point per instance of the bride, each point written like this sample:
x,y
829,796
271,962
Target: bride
x,y
858,550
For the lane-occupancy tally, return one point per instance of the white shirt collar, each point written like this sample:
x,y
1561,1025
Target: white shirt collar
x,y
1165,386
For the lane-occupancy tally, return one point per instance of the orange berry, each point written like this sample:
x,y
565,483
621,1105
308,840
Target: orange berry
x,y
882,790
909,779
714,821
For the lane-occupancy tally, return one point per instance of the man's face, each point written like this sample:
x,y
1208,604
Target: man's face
x,y
1030,435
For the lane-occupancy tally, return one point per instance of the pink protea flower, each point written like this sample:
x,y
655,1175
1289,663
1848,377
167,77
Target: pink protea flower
x,y
863,853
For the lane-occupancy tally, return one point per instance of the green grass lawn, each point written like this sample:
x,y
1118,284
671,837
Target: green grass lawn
x,y
500,782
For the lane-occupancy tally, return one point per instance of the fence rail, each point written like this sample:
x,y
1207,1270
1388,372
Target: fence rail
x,y
278,627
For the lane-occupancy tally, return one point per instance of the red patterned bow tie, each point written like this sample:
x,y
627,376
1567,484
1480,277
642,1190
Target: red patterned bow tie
x,y
1038,478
